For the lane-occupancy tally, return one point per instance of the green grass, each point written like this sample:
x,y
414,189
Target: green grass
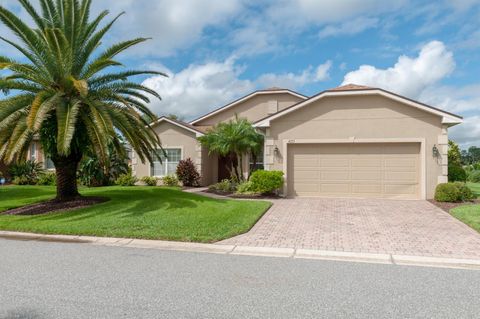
x,y
469,214
135,212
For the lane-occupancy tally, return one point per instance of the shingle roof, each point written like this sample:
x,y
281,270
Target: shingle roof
x,y
350,87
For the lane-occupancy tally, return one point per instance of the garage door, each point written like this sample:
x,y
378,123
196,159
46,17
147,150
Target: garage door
x,y
354,170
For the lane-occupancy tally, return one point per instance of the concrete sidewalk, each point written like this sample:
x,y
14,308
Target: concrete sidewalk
x,y
392,259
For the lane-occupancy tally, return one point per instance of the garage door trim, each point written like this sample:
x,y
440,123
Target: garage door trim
x,y
421,141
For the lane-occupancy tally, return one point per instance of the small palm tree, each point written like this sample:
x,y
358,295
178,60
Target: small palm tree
x,y
233,139
64,94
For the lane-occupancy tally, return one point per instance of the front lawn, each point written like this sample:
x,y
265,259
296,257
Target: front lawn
x,y
469,214
135,212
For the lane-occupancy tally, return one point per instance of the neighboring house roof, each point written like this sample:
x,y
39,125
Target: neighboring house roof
x,y
178,123
273,90
352,89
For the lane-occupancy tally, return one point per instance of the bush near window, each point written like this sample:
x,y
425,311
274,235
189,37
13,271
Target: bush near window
x,y
267,182
453,192
226,186
474,176
170,180
47,179
187,173
149,180
456,173
126,180
26,173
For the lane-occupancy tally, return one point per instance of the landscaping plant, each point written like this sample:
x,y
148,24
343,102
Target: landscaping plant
x,y
225,186
474,176
170,180
233,139
453,192
47,179
149,180
187,173
126,180
26,173
267,182
65,91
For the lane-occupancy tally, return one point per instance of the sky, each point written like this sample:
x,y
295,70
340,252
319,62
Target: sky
x,y
216,51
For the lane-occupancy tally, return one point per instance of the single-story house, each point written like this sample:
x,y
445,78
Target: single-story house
x,y
350,141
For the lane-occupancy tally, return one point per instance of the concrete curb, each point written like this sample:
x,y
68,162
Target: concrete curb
x,y
391,259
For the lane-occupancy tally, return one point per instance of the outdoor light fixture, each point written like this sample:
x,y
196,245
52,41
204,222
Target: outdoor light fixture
x,y
276,151
435,151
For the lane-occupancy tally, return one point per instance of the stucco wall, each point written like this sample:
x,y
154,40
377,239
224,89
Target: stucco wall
x,y
171,136
253,109
361,117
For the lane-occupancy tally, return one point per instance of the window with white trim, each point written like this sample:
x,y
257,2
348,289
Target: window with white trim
x,y
169,163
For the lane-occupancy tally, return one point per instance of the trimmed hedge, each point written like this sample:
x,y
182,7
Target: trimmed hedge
x,y
170,180
266,182
453,192
149,180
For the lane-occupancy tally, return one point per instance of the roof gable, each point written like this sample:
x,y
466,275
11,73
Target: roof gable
x,y
231,105
180,124
352,90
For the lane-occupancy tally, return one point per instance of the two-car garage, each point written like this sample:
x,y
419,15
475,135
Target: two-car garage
x,y
380,170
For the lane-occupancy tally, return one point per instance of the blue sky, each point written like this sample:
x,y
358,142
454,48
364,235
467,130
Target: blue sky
x,y
216,51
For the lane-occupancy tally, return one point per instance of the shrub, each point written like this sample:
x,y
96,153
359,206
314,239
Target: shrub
x,y
456,173
466,193
170,180
187,173
226,186
267,182
246,188
47,179
474,176
126,180
453,192
26,173
21,180
149,180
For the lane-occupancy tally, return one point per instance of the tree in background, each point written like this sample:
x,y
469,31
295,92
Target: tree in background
x,y
454,156
233,139
65,93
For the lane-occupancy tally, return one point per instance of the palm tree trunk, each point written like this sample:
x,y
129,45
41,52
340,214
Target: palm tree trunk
x,y
66,170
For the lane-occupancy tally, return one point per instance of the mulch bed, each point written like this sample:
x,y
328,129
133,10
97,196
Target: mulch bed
x,y
239,196
448,206
55,205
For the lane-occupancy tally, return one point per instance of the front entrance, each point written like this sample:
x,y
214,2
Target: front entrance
x,y
223,163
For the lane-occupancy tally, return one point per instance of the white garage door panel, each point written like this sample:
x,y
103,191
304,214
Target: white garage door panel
x,y
354,170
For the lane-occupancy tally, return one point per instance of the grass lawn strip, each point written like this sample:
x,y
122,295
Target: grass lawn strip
x,y
135,212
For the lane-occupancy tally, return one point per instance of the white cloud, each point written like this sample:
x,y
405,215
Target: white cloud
x,y
351,27
294,81
409,76
468,133
199,88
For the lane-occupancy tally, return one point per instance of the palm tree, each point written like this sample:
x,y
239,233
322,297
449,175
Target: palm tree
x,y
233,139
64,94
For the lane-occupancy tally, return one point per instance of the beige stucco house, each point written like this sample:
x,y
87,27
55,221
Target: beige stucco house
x,y
351,141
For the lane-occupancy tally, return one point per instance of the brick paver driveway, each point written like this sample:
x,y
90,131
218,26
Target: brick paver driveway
x,y
363,225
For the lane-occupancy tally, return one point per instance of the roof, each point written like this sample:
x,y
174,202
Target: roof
x,y
178,123
273,90
353,89
350,87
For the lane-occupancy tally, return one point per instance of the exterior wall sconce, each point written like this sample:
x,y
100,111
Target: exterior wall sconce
x,y
276,151
435,151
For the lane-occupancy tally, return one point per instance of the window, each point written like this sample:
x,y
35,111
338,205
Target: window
x,y
169,164
48,163
33,152
259,161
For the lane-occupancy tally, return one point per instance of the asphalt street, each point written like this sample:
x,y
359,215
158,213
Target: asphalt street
x,y
65,280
